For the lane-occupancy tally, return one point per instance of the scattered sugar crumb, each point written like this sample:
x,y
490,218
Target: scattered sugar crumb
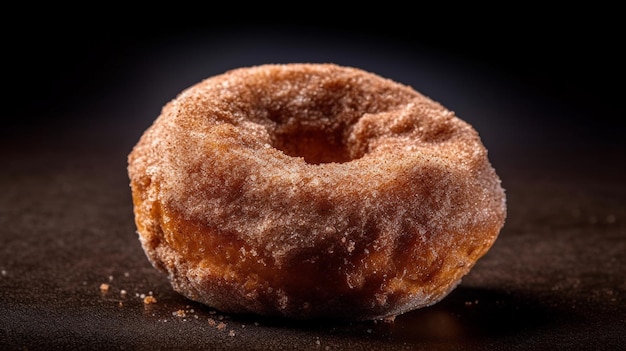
x,y
104,287
389,319
179,313
3,272
231,333
149,300
221,326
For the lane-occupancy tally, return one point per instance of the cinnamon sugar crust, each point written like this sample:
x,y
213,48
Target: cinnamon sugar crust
x,y
313,191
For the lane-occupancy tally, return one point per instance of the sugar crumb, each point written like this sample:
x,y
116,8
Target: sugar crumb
x,y
149,300
611,218
179,313
104,287
389,319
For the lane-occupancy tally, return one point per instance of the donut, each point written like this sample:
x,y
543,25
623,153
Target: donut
x,y
310,191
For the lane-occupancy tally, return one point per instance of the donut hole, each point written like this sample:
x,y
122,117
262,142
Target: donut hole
x,y
312,115
314,145
315,130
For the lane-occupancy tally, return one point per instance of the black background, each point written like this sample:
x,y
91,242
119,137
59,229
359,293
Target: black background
x,y
69,63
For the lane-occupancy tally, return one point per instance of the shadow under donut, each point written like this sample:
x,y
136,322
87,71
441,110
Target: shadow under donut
x,y
475,314
468,316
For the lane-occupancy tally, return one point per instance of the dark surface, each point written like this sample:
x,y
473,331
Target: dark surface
x,y
555,279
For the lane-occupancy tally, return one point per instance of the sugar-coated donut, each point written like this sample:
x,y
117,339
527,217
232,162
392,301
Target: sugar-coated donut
x,y
313,191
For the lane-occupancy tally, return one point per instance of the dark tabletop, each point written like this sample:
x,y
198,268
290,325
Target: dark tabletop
x,y
74,276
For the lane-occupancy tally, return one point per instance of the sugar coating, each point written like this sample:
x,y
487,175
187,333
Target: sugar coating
x,y
313,190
